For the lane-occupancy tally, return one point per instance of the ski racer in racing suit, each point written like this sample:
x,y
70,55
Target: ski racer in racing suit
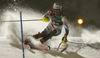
x,y
57,20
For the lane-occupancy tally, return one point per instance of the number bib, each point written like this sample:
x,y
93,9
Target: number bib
x,y
56,20
57,23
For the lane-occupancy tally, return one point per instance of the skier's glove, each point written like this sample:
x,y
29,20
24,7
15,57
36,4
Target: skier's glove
x,y
45,19
64,39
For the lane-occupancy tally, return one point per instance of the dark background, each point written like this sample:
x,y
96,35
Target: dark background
x,y
88,10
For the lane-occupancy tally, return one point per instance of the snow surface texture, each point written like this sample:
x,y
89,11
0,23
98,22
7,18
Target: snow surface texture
x,y
86,45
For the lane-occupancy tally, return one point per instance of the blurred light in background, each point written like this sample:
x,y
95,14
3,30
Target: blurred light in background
x,y
80,21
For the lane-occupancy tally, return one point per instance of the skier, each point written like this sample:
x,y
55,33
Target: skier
x,y
57,20
54,28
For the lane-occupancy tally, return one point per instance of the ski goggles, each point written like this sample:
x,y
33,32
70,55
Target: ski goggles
x,y
56,10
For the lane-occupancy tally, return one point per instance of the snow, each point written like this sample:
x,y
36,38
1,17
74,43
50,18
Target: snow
x,y
91,37
9,51
10,36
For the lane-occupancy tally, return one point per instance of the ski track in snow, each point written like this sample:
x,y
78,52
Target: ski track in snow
x,y
10,32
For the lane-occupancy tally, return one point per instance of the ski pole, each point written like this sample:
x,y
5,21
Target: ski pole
x,y
64,49
59,46
22,20
22,34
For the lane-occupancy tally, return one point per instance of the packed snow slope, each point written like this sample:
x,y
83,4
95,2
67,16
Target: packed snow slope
x,y
87,45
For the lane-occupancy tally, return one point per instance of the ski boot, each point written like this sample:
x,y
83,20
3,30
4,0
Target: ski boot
x,y
26,44
47,48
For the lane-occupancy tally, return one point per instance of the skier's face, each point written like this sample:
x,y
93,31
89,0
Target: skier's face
x,y
57,12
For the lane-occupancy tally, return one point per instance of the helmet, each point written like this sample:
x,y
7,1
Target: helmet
x,y
57,7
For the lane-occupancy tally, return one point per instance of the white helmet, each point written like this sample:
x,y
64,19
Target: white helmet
x,y
56,6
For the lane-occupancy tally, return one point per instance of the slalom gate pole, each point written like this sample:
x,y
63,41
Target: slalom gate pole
x,y
22,34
